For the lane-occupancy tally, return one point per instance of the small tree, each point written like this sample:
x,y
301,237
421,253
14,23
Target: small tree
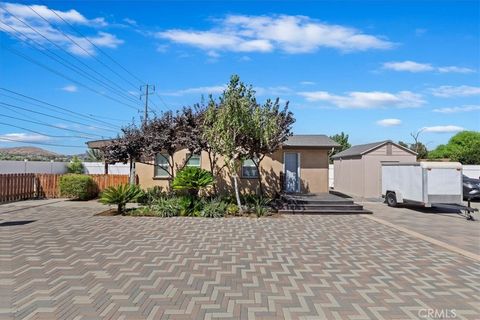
x,y
75,166
126,148
463,147
228,125
270,127
160,135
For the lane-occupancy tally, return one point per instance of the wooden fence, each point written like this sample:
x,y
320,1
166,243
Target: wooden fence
x,y
22,186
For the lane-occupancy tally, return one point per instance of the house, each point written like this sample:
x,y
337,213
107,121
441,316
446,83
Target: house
x,y
299,166
357,170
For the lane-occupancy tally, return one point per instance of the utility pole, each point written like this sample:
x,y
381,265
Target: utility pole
x,y
149,89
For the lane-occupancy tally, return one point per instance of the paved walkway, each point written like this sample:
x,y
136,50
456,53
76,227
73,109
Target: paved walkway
x,y
65,263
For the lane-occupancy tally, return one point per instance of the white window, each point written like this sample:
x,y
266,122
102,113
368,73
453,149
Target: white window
x,y
162,167
194,161
249,170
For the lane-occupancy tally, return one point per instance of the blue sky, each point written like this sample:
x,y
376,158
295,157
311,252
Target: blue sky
x,y
375,70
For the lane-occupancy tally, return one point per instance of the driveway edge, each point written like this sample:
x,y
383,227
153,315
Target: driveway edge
x,y
415,234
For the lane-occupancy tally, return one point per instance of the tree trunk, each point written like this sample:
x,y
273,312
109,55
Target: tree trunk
x,y
237,193
132,172
120,208
259,178
212,170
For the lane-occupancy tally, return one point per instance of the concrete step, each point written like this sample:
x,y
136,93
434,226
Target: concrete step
x,y
326,211
318,201
322,207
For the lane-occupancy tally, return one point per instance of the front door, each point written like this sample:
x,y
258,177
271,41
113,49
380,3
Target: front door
x,y
292,172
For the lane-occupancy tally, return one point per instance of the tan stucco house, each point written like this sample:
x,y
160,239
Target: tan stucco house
x,y
299,166
357,170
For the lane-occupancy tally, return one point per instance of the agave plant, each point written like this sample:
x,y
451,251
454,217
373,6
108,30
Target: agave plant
x,y
192,180
121,195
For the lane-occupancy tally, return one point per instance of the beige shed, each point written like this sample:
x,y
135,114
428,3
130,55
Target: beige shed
x,y
357,170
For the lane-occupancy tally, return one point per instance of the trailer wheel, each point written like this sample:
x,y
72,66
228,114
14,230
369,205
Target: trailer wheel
x,y
391,199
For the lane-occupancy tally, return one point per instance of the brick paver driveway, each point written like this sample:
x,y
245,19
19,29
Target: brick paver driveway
x,y
68,264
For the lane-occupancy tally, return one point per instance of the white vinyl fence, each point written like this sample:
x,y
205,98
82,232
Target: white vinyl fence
x,y
10,166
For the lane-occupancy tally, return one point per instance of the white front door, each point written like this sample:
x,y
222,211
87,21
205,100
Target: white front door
x,y
292,181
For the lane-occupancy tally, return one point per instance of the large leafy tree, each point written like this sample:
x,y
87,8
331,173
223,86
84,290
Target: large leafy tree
x,y
270,127
342,139
463,147
228,124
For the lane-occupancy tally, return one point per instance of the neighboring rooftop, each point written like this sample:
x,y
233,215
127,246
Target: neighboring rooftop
x,y
310,140
361,149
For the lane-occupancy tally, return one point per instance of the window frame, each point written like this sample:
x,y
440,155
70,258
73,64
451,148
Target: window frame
x,y
243,176
190,156
162,168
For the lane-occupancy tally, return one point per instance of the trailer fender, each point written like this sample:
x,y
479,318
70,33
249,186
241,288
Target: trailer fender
x,y
398,195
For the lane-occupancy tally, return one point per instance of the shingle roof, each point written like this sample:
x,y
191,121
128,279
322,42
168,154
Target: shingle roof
x,y
310,140
361,149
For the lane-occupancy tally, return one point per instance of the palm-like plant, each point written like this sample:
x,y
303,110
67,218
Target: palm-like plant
x,y
121,195
192,180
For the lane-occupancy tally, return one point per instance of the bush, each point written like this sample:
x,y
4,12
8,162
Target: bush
x,y
75,166
121,195
190,206
232,209
259,205
78,187
214,209
192,180
151,194
166,207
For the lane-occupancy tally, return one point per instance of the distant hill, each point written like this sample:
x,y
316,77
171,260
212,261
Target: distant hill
x,y
27,151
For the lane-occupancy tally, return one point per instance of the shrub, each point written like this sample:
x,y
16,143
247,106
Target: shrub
x,y
192,180
75,166
190,206
232,209
214,209
260,206
151,194
167,207
121,195
78,187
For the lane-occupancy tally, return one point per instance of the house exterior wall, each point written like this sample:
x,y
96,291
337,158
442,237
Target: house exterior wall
x,y
361,176
313,172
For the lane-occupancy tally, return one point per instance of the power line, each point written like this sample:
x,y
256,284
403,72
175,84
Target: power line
x,y
90,116
42,134
40,143
55,117
120,92
65,76
75,42
52,126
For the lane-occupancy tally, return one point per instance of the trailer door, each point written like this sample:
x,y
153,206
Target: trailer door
x,y
444,185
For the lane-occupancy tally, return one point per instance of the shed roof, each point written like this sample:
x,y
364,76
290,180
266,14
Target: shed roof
x,y
362,149
310,140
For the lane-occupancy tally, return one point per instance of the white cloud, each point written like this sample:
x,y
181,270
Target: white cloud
x,y
10,25
70,88
442,129
290,34
130,22
453,91
198,90
454,69
366,100
412,66
389,122
23,137
307,83
457,109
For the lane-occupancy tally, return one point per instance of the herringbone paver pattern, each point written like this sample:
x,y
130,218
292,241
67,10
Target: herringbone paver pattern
x,y
69,264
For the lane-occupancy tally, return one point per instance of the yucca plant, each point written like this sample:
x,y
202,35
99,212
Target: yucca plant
x,y
192,180
121,195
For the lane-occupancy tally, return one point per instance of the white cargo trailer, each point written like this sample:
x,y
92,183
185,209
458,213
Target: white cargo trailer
x,y
424,183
